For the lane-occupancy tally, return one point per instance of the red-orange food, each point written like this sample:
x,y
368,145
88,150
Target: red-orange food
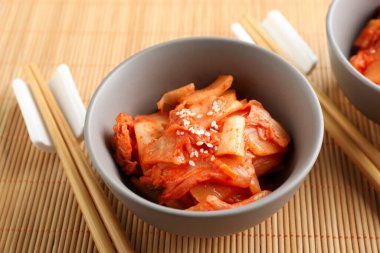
x,y
203,150
367,58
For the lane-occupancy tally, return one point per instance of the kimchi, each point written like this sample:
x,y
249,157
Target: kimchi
x,y
202,150
367,58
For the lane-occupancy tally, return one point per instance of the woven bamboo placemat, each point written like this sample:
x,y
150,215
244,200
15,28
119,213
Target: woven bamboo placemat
x,y
334,210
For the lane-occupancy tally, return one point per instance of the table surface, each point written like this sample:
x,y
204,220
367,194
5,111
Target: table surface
x,y
334,210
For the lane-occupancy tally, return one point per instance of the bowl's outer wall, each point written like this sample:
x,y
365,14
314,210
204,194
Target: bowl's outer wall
x,y
346,19
137,84
207,226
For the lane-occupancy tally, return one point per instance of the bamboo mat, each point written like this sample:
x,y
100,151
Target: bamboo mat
x,y
334,210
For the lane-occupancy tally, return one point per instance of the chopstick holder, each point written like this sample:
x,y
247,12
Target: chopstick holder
x,y
65,92
241,33
63,87
32,117
289,41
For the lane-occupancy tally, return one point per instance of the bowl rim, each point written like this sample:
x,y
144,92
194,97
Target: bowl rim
x,y
339,53
276,195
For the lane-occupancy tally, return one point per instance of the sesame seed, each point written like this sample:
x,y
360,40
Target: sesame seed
x,y
207,134
192,154
196,153
177,132
191,163
215,106
199,143
214,124
186,122
206,152
209,145
209,113
192,114
202,150
200,131
216,148
212,158
199,116
213,130
182,133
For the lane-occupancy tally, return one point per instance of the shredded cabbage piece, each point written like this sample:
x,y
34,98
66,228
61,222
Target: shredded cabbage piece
x,y
204,150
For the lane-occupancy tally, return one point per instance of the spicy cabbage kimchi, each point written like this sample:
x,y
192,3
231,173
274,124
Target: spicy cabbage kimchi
x,y
367,58
202,150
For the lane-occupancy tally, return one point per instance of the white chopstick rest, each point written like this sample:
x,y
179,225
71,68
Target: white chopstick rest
x,y
64,90
241,33
32,117
288,40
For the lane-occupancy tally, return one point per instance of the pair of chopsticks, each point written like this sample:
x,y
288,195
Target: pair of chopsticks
x,y
103,225
362,153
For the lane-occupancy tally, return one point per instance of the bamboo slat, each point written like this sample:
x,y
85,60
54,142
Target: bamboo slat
x,y
335,208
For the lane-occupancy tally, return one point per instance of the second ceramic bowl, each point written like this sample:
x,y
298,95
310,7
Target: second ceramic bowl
x,y
345,20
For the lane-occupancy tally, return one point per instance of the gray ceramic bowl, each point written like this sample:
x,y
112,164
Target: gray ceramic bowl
x,y
135,86
345,20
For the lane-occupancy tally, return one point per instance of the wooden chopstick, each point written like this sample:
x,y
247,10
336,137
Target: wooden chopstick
x,y
93,220
372,153
99,201
356,155
341,129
